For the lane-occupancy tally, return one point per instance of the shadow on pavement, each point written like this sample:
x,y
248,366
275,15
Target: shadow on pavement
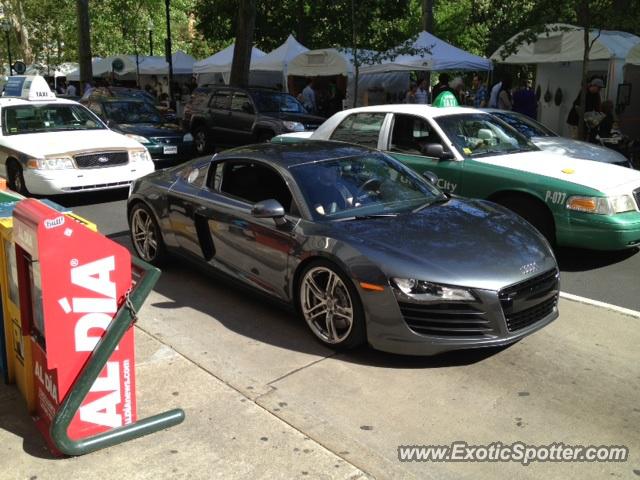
x,y
580,260
15,419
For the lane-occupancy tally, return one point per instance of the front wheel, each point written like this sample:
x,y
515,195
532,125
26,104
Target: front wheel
x,y
201,141
331,307
535,214
146,236
16,178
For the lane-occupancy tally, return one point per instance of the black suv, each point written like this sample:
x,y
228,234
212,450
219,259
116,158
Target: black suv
x,y
229,116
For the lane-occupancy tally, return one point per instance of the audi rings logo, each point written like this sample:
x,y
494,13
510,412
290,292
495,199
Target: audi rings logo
x,y
529,268
103,159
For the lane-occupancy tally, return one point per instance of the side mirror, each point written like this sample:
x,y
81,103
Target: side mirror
x,y
269,209
436,150
431,177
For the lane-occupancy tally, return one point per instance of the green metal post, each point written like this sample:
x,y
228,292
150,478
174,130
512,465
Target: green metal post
x,y
104,348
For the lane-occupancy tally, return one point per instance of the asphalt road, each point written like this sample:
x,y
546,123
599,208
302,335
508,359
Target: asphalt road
x,y
610,277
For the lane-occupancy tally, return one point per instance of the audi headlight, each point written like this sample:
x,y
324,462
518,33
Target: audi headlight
x,y
601,205
187,137
427,291
139,138
139,156
293,126
51,163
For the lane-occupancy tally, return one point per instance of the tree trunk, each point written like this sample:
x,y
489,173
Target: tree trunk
x,y
244,43
354,46
583,17
84,43
22,32
427,15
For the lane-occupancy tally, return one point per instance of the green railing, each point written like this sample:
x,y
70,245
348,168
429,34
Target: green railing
x,y
98,359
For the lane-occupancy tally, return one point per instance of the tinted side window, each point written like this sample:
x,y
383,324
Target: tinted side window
x,y
252,182
360,128
411,134
239,99
221,99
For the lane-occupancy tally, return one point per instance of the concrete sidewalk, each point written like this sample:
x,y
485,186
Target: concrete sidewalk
x,y
225,435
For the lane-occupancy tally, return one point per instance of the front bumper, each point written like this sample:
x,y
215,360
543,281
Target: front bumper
x,y
600,232
72,180
174,152
392,328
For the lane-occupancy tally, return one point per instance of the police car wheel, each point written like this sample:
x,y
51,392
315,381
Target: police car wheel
x,y
16,178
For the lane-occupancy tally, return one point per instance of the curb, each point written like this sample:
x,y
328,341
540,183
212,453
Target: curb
x,y
595,303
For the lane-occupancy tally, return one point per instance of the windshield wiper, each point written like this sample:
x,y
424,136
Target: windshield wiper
x,y
495,152
443,199
367,217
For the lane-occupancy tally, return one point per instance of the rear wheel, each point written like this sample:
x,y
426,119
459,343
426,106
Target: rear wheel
x,y
16,178
201,140
533,212
330,305
145,235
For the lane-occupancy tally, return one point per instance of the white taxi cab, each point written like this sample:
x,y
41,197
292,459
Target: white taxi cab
x,y
50,145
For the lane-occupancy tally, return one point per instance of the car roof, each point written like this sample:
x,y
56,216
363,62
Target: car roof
x,y
8,101
413,108
287,155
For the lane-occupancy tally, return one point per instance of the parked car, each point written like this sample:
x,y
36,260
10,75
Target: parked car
x,y
547,140
572,202
228,116
365,248
135,93
167,142
50,145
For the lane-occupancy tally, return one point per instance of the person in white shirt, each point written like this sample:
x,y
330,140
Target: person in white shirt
x,y
422,93
493,97
71,90
309,97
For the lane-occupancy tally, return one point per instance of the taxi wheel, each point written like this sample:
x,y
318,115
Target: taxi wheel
x,y
146,236
330,305
536,215
16,178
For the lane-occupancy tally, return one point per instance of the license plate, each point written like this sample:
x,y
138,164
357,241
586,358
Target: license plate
x,y
170,150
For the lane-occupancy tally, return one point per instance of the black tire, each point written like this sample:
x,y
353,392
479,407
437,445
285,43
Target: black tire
x,y
344,294
202,140
534,212
146,237
265,136
15,178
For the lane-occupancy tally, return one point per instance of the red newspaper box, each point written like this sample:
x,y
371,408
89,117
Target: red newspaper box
x,y
72,282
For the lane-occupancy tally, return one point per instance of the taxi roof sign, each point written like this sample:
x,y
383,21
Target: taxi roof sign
x,y
28,87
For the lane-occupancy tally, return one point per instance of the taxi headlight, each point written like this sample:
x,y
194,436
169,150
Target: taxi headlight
x,y
293,126
139,156
50,163
427,291
139,138
601,205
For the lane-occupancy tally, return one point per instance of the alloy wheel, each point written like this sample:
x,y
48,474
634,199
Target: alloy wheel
x,y
144,234
326,305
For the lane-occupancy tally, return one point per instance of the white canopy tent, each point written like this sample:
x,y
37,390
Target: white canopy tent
x,y
218,66
558,54
74,75
182,64
372,89
443,56
275,64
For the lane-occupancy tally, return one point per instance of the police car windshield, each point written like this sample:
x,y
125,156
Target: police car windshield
x,y
21,119
480,134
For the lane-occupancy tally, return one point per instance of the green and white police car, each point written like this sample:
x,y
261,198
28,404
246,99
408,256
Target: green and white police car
x,y
50,145
573,202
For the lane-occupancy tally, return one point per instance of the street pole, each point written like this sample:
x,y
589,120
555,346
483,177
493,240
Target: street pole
x,y
167,52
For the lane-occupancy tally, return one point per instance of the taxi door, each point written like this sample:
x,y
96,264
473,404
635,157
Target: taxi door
x,y
407,137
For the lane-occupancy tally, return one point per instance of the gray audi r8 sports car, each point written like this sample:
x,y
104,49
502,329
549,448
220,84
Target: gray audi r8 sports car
x,y
364,248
